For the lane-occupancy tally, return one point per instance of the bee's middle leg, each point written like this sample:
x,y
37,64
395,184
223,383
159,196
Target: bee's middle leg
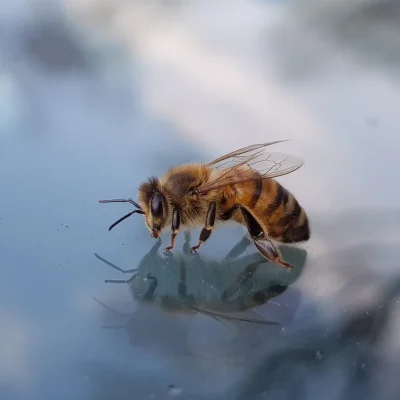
x,y
176,222
206,231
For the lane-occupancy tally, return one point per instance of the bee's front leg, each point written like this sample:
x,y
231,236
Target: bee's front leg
x,y
176,222
206,231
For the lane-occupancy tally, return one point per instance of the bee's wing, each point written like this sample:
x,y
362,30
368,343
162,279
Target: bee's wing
x,y
240,165
244,151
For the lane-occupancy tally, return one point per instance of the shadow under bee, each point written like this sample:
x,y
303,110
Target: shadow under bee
x,y
224,290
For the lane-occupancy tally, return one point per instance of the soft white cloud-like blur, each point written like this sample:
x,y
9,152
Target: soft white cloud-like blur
x,y
217,72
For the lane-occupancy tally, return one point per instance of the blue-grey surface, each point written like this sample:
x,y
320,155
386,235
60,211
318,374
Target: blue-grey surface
x,y
92,104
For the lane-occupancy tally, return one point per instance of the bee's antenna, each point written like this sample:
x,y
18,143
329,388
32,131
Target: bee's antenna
x,y
124,217
122,201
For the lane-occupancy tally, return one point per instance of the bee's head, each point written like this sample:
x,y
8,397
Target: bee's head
x,y
155,205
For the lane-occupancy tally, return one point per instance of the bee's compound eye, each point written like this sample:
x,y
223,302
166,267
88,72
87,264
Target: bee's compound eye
x,y
156,205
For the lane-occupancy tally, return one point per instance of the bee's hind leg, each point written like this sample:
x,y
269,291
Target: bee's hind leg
x,y
176,222
270,252
206,231
260,239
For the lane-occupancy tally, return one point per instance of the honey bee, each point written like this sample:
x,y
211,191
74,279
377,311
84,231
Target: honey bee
x,y
238,186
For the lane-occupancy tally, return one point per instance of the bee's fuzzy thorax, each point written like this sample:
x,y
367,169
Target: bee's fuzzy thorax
x,y
178,182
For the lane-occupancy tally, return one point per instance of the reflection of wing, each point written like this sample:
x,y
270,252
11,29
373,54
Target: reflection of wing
x,y
249,164
236,316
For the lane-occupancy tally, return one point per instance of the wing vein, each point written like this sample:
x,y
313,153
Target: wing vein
x,y
248,164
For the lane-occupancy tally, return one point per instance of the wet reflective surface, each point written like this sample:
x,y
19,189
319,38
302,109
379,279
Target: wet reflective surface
x,y
97,97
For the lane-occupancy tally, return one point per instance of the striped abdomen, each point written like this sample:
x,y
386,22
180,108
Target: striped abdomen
x,y
284,218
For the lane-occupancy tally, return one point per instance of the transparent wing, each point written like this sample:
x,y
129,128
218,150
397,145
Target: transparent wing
x,y
244,151
248,164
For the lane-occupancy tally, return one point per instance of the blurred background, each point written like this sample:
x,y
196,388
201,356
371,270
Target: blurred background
x,y
97,95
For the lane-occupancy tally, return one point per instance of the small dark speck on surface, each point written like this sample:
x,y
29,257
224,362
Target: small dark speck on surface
x,y
174,391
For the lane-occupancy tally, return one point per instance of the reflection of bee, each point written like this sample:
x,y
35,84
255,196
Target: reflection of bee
x,y
178,292
237,186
